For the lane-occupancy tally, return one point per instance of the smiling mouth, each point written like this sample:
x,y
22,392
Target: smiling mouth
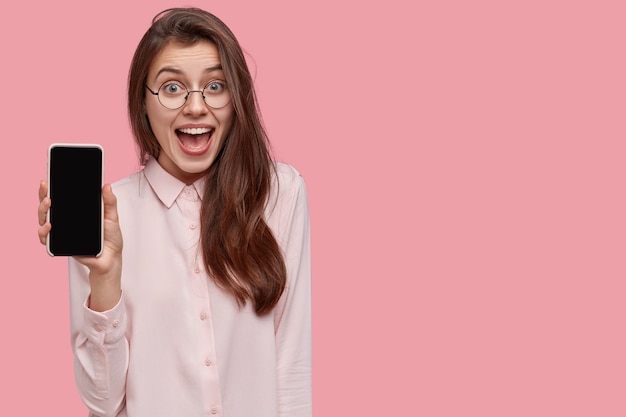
x,y
195,138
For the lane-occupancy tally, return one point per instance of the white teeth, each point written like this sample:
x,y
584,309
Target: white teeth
x,y
195,130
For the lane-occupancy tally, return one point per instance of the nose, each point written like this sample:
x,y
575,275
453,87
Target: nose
x,y
195,104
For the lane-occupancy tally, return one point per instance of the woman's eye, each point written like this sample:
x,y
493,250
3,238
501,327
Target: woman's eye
x,y
172,88
215,87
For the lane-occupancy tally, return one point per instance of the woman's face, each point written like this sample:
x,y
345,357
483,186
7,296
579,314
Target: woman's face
x,y
190,136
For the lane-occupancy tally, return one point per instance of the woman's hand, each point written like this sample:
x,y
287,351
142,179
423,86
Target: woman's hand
x,y
105,271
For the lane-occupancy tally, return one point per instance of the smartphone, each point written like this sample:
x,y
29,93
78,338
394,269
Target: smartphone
x,y
75,174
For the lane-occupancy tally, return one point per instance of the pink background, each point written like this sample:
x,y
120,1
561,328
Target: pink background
x,y
465,169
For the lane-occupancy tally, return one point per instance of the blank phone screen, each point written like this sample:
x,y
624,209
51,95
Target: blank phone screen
x,y
75,181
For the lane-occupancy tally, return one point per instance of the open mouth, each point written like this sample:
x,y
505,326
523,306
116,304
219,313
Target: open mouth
x,y
195,139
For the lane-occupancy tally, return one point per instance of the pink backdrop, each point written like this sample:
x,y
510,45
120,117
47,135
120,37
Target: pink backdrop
x,y
465,169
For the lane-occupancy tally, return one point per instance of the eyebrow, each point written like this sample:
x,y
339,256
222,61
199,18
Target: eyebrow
x,y
178,71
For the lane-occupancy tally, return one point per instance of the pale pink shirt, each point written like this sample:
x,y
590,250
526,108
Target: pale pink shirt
x,y
178,346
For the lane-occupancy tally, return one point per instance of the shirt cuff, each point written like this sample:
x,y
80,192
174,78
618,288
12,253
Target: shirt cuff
x,y
105,327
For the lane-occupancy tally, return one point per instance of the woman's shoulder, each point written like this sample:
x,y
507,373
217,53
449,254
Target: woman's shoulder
x,y
287,174
286,180
284,167
129,189
287,188
128,182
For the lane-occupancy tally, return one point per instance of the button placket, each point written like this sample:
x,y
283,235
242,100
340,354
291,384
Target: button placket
x,y
190,205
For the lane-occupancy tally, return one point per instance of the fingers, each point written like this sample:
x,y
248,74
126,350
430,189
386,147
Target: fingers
x,y
42,212
44,202
110,203
43,232
43,190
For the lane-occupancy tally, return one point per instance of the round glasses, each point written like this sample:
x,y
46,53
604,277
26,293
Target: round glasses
x,y
173,94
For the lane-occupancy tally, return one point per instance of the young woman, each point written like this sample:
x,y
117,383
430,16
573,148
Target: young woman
x,y
200,304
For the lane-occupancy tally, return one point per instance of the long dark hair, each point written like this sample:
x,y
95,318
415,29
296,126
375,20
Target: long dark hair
x,y
240,252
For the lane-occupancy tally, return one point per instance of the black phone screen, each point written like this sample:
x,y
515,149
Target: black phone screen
x,y
75,189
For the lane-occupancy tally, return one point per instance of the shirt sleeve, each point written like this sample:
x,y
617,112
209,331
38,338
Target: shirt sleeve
x,y
100,348
292,318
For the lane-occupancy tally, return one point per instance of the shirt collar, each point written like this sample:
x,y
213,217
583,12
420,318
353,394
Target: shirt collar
x,y
166,186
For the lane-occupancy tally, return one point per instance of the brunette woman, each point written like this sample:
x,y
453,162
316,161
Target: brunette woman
x,y
200,304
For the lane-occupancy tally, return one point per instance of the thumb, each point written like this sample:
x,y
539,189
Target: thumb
x,y
110,203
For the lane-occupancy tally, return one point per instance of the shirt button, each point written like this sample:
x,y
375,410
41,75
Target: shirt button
x,y
214,410
115,323
196,270
98,328
192,226
208,363
203,316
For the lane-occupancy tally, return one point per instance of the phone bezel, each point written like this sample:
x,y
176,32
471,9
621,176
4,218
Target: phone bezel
x,y
77,145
